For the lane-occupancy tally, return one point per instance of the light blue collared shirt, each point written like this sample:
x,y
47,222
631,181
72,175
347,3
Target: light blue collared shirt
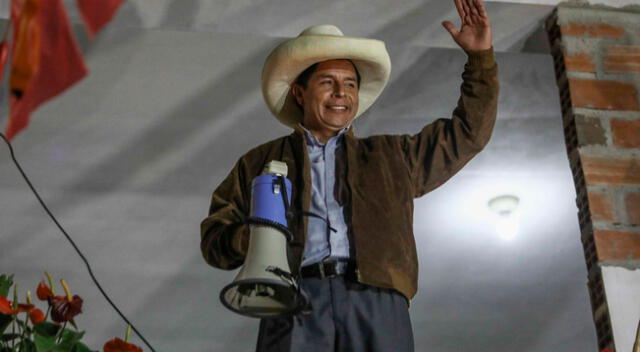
x,y
322,243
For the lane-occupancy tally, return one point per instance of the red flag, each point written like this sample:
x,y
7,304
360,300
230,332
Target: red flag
x,y
97,13
45,58
26,49
4,49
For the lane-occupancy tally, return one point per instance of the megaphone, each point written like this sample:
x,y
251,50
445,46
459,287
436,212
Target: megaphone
x,y
264,287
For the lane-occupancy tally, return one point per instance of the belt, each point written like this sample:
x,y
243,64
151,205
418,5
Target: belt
x,y
329,269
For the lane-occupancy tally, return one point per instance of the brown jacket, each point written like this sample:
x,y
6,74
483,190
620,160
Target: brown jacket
x,y
383,175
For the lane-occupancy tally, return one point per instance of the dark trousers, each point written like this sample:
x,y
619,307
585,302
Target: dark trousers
x,y
346,316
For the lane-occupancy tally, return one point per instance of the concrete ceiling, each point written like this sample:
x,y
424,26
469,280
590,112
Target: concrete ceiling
x,y
517,27
127,160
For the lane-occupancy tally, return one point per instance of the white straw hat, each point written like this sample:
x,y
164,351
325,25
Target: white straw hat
x,y
317,44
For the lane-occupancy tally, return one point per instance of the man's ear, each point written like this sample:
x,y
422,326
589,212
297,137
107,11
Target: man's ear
x,y
297,92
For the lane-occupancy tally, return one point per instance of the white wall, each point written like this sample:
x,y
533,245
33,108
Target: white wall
x,y
622,287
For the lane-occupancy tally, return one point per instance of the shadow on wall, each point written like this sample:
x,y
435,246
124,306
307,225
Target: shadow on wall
x,y
180,14
536,42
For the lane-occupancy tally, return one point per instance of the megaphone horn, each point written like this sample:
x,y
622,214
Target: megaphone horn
x,y
264,287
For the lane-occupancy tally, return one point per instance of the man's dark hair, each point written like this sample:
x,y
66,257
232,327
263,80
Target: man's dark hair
x,y
303,78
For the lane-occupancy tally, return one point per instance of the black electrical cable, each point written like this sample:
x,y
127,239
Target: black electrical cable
x,y
86,262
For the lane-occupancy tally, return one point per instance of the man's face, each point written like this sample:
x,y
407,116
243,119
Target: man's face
x,y
330,100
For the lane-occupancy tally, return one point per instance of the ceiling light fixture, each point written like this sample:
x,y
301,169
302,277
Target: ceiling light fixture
x,y
506,219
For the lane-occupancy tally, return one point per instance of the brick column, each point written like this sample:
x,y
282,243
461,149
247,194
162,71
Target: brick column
x,y
596,52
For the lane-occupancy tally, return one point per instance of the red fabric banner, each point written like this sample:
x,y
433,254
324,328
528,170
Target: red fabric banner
x,y
97,13
45,58
4,50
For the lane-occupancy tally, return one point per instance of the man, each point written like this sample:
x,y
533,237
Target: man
x,y
358,260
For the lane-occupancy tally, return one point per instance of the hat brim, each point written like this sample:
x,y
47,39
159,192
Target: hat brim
x,y
293,56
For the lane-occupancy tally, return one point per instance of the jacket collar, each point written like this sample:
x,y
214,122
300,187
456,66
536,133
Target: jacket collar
x,y
299,131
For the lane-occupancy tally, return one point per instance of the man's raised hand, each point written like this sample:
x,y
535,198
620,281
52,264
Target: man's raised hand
x,y
475,31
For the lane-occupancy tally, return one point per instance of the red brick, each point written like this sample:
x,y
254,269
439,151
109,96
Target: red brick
x,y
610,171
622,58
632,203
592,30
589,131
626,134
601,207
600,94
579,63
617,245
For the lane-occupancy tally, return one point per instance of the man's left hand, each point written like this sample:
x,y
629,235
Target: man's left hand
x,y
475,31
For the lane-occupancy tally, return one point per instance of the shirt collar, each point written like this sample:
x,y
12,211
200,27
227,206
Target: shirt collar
x,y
313,141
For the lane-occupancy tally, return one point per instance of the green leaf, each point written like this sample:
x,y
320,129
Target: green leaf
x,y
45,343
71,338
5,321
80,347
64,347
6,281
45,336
27,346
46,329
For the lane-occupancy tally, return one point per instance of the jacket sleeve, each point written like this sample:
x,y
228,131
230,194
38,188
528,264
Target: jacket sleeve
x,y
443,147
224,234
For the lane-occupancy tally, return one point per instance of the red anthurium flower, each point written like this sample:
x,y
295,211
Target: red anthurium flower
x,y
119,345
36,316
43,291
5,306
23,307
63,309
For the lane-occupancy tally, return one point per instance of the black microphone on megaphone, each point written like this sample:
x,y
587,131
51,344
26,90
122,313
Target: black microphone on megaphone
x,y
265,287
